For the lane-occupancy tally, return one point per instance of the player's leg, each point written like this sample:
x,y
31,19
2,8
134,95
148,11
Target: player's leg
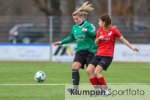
x,y
79,62
90,71
100,78
90,67
75,74
101,81
92,77
103,65
75,78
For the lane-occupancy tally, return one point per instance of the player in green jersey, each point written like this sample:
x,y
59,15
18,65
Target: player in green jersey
x,y
84,33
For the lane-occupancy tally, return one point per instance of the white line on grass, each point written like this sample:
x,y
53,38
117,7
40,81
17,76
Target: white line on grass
x,y
70,84
31,84
129,83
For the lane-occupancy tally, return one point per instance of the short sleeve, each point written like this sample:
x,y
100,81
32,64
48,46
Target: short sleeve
x,y
117,33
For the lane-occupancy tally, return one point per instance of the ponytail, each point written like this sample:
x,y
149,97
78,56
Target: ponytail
x,y
83,10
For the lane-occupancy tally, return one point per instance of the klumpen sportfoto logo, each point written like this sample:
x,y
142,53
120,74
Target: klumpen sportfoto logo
x,y
109,92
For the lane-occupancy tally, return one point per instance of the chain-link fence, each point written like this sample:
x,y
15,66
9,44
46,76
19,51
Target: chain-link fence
x,y
38,29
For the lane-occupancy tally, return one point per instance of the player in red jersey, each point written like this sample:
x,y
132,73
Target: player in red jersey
x,y
106,36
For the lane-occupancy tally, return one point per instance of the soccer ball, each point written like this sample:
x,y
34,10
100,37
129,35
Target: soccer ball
x,y
40,76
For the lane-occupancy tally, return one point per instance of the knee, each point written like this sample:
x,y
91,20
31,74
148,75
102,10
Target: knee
x,y
90,69
97,73
76,66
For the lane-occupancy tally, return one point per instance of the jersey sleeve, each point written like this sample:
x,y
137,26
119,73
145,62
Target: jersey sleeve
x,y
69,39
91,30
117,33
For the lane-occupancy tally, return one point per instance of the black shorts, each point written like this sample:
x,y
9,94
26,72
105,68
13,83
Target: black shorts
x,y
84,57
103,61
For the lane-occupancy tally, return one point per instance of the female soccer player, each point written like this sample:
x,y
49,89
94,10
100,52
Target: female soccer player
x,y
106,36
84,34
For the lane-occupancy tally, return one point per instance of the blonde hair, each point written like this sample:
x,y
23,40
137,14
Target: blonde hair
x,y
84,9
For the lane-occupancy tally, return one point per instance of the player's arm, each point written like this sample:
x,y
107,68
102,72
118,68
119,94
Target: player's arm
x,y
122,39
99,39
69,39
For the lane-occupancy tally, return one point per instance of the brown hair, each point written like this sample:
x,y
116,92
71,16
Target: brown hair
x,y
83,10
106,20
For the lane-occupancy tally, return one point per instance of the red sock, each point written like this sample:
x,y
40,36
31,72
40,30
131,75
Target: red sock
x,y
94,82
102,82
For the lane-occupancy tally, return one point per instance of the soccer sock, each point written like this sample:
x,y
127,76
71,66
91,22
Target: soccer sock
x,y
102,82
94,82
75,78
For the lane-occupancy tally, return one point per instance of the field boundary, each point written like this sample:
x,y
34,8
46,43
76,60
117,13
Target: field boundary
x,y
40,84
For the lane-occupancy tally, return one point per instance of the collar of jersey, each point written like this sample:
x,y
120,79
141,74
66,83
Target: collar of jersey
x,y
82,24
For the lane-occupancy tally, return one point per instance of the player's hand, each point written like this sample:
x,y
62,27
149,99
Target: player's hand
x,y
84,30
101,38
57,43
135,49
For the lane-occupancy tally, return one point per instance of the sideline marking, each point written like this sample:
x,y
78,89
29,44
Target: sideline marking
x,y
70,84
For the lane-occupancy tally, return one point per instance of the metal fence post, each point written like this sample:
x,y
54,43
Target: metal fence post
x,y
51,36
109,7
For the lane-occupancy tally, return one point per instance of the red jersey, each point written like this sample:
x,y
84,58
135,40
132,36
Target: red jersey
x,y
106,46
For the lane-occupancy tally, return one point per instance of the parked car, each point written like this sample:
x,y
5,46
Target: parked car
x,y
26,33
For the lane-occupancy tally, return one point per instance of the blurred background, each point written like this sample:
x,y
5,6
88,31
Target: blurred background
x,y
28,28
22,17
46,21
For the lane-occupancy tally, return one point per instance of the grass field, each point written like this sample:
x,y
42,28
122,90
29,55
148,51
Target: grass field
x,y
17,79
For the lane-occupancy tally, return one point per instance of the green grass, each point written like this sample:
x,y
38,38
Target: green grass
x,y
31,92
59,73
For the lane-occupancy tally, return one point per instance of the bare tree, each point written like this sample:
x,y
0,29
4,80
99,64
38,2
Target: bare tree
x,y
48,7
67,8
123,7
100,6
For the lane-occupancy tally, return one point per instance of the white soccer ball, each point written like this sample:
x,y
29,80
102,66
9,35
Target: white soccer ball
x,y
40,76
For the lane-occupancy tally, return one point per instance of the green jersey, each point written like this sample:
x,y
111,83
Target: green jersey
x,y
84,40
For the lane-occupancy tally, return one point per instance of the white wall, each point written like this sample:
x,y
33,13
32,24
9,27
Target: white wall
x,y
123,53
24,52
42,53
